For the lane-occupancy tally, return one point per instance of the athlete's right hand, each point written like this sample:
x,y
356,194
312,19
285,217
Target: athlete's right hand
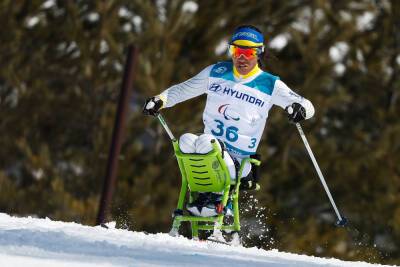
x,y
152,106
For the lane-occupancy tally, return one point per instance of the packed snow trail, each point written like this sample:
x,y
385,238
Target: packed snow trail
x,y
41,242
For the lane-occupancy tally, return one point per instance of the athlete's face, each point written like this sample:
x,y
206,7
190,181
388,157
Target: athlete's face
x,y
244,64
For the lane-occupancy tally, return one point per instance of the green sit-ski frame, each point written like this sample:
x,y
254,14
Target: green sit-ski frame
x,y
207,173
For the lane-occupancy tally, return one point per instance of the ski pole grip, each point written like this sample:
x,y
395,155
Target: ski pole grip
x,y
150,105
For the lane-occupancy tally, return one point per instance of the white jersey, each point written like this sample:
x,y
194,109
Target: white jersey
x,y
237,109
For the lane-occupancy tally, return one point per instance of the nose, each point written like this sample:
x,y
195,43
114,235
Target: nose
x,y
242,57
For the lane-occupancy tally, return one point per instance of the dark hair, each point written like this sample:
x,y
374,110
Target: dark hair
x,y
262,58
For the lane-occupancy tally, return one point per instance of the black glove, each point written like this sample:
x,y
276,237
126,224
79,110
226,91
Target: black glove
x,y
152,106
296,113
250,182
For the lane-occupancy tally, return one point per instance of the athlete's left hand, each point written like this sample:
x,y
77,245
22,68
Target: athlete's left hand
x,y
249,184
296,112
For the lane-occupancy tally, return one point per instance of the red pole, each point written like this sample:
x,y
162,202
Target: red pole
x,y
117,137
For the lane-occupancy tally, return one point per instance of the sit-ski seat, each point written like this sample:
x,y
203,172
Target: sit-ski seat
x,y
207,173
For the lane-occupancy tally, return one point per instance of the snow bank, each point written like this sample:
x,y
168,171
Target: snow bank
x,y
42,242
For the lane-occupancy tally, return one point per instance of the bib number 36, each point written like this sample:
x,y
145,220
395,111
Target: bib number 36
x,y
231,132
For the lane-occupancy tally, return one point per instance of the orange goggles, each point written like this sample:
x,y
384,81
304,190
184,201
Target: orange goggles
x,y
247,52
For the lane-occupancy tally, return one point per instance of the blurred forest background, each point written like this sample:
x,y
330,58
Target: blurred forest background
x,y
61,66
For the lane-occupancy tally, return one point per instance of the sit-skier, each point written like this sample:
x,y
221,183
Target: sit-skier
x,y
239,97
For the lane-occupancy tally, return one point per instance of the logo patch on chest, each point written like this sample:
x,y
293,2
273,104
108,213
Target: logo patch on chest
x,y
228,113
221,70
217,88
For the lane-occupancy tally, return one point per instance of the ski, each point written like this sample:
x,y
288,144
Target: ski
x,y
218,241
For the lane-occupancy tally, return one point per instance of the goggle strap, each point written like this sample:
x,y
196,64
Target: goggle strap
x,y
243,46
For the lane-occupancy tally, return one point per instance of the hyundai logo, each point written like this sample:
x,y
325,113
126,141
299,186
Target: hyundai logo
x,y
215,87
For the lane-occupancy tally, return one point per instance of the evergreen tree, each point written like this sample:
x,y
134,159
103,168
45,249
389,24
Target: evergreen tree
x,y
61,70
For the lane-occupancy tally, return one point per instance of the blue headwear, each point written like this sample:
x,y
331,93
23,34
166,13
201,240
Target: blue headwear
x,y
247,36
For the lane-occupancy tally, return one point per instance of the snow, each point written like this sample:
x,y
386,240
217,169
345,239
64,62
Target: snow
x,y
301,24
338,51
339,68
124,12
190,6
104,48
137,21
42,242
365,21
38,173
93,16
222,47
49,4
345,16
279,41
32,21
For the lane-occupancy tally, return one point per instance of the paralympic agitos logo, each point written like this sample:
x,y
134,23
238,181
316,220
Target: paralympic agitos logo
x,y
223,109
217,88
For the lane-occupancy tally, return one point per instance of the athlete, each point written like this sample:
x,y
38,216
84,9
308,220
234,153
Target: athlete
x,y
239,97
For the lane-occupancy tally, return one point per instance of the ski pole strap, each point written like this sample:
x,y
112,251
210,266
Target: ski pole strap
x,y
321,177
164,124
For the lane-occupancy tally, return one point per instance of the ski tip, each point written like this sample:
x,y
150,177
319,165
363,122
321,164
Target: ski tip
x,y
342,222
218,241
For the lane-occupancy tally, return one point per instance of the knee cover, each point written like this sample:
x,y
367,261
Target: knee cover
x,y
203,143
187,143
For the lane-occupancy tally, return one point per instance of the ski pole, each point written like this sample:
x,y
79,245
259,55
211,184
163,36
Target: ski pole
x,y
164,124
162,121
342,221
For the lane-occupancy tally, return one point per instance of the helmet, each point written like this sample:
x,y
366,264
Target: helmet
x,y
248,36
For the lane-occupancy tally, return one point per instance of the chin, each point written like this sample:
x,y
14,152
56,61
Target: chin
x,y
243,70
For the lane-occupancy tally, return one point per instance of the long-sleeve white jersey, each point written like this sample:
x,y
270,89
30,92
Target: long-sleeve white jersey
x,y
236,109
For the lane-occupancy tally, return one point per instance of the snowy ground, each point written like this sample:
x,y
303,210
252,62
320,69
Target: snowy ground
x,y
41,242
